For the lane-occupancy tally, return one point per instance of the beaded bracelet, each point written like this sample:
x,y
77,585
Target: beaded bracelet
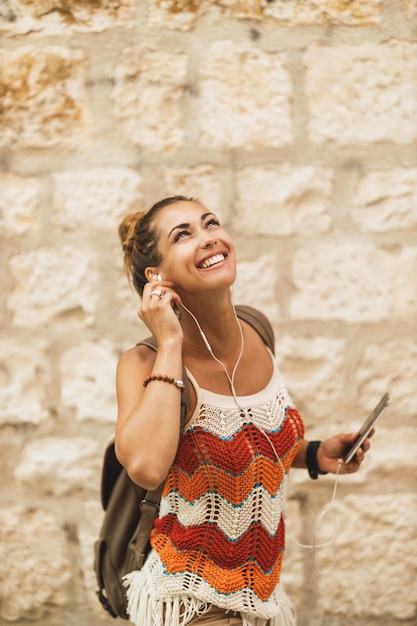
x,y
311,460
165,379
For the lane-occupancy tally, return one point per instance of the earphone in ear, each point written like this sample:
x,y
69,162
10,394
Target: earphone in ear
x,y
158,277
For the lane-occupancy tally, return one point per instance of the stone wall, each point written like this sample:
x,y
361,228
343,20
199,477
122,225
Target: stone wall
x,y
296,121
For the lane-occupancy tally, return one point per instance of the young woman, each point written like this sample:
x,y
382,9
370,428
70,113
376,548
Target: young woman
x,y
218,542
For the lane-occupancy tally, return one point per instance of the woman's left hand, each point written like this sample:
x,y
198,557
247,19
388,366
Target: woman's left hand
x,y
331,452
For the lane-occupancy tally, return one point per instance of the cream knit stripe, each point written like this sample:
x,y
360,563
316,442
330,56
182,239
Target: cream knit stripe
x,y
233,520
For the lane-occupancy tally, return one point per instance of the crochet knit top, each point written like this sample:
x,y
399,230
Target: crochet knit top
x,y
219,537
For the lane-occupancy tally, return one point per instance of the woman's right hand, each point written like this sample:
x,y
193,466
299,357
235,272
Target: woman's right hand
x,y
157,311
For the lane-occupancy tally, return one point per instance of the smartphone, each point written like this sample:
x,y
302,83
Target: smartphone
x,y
367,427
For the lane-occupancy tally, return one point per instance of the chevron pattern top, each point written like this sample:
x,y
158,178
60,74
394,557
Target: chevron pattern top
x,y
219,537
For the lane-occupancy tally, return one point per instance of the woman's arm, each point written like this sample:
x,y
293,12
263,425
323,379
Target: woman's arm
x,y
148,422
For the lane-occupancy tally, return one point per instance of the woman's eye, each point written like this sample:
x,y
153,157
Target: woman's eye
x,y
180,234
212,222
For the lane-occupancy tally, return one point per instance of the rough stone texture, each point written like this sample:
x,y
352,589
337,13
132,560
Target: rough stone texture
x,y
24,376
20,199
344,282
296,123
259,274
148,94
201,182
42,98
95,199
387,200
377,559
287,200
314,371
89,388
244,99
59,465
18,17
184,14
389,364
341,12
363,93
53,285
32,581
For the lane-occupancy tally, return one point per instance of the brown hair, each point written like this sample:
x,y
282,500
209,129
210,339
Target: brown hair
x,y
140,241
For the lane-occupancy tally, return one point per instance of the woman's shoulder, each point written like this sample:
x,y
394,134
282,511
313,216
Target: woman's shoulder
x,y
139,355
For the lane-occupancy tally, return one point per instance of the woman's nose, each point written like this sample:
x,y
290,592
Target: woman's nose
x,y
207,241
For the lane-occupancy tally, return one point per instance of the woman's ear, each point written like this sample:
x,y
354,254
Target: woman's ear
x,y
152,274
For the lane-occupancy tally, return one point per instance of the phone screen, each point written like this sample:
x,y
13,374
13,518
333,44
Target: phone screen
x,y
367,426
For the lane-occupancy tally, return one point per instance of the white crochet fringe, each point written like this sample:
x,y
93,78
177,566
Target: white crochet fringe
x,y
144,610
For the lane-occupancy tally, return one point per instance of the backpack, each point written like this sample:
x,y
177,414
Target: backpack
x,y
130,510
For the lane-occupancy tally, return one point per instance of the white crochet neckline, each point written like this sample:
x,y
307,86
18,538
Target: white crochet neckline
x,y
204,396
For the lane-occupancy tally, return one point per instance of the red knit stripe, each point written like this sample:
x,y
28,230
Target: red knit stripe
x,y
235,454
255,543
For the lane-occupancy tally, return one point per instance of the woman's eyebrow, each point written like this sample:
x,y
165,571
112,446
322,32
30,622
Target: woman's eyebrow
x,y
187,225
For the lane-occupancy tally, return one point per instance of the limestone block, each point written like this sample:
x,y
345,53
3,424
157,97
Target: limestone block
x,y
389,365
410,9
282,200
393,452
340,12
53,285
63,16
88,372
244,98
200,182
95,198
148,98
255,284
362,94
24,382
175,14
20,198
43,102
343,282
313,369
183,14
34,565
376,558
60,465
386,200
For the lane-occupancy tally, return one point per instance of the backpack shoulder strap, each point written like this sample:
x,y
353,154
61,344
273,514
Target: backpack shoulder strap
x,y
259,322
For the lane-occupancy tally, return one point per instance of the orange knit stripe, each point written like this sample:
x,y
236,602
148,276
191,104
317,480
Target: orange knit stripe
x,y
223,581
193,487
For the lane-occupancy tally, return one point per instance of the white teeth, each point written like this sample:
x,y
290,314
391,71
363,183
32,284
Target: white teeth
x,y
212,261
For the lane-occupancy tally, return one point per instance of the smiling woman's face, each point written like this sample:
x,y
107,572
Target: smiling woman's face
x,y
197,252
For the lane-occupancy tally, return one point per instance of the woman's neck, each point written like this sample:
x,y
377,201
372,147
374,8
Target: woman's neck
x,y
211,324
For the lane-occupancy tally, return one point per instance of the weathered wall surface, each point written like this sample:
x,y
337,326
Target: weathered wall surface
x,y
296,121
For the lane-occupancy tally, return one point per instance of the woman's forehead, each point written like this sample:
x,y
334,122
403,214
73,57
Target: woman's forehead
x,y
180,213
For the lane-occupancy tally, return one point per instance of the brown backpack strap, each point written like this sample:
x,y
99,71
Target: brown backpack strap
x,y
259,322
149,509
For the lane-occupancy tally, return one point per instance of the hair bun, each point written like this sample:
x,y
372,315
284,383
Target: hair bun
x,y
127,229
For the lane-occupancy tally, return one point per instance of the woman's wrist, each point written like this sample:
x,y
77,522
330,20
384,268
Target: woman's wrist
x,y
311,460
